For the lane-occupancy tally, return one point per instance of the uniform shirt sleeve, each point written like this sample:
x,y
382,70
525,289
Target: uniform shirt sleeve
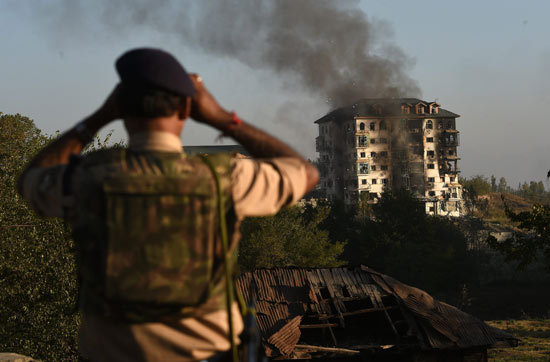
x,y
263,186
43,189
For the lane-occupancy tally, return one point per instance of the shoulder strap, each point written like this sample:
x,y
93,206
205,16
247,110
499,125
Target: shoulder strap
x,y
229,288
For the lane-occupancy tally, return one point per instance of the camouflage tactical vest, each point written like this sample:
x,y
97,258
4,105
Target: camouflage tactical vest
x,y
146,230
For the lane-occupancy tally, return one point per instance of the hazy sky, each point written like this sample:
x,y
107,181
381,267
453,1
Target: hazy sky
x,y
488,61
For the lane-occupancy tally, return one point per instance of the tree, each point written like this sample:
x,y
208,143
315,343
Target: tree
x,y
531,245
502,185
37,266
290,238
493,183
426,251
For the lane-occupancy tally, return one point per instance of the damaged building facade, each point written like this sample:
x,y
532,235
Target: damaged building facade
x,y
379,144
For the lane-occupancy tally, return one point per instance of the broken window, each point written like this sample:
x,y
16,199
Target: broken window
x,y
362,141
429,139
431,166
363,168
429,124
371,126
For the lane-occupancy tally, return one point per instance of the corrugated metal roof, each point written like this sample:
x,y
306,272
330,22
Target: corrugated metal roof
x,y
354,309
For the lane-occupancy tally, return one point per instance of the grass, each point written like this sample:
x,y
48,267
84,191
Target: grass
x,y
534,345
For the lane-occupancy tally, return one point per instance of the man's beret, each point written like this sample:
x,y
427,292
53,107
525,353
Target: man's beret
x,y
155,68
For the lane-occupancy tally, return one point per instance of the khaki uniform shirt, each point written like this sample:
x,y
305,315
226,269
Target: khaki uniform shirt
x,y
259,187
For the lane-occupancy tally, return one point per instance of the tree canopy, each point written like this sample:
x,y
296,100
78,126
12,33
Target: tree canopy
x,y
37,268
290,238
533,244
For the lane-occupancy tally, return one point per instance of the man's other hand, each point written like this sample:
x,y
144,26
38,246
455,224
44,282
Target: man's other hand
x,y
205,109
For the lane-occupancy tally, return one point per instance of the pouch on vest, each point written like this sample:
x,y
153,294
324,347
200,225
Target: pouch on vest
x,y
160,238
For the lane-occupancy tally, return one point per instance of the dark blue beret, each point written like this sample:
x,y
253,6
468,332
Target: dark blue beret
x,y
155,68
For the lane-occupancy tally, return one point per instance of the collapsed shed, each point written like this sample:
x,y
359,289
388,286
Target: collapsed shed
x,y
360,314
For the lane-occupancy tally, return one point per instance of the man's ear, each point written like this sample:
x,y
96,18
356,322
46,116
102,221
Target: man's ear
x,y
185,108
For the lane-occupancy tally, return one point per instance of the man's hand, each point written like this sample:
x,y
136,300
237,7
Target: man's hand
x,y
205,109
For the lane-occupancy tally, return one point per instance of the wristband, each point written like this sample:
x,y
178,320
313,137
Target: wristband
x,y
235,121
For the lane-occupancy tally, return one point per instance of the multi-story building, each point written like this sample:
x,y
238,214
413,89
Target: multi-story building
x,y
379,144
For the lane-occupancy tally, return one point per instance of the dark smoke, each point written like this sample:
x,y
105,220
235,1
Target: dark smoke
x,y
328,48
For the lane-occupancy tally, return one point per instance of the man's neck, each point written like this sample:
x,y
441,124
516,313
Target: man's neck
x,y
155,141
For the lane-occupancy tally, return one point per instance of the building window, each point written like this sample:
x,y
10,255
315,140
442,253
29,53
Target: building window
x,y
451,152
442,178
429,124
384,167
431,166
371,126
373,168
431,208
430,153
429,139
452,179
384,154
431,193
363,168
362,141
383,140
373,140
431,179
373,181
363,155
449,124
361,126
373,154
363,182
382,125
439,124
385,181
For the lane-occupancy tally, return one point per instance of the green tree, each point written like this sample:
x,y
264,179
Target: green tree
x,y
502,185
290,238
493,183
533,243
426,251
37,267
474,187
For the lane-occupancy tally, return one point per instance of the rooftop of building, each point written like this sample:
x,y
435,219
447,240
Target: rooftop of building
x,y
385,107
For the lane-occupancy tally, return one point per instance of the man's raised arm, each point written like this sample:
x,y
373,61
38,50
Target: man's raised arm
x,y
260,144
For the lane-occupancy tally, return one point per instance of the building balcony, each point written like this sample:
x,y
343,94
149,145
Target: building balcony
x,y
449,140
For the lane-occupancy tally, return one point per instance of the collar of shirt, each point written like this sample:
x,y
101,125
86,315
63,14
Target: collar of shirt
x,y
156,141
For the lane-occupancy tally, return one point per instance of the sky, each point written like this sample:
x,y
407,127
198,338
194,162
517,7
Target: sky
x,y
488,61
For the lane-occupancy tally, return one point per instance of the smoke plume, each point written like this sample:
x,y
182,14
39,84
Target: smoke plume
x,y
330,49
